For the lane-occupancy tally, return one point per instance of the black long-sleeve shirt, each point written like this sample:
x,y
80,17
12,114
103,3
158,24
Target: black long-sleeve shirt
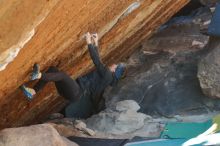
x,y
96,81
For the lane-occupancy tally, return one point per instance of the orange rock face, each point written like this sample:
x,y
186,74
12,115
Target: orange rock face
x,y
50,32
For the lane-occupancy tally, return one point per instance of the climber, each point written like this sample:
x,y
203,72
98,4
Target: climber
x,y
85,92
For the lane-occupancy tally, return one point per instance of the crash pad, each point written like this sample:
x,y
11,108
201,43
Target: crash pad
x,y
85,141
214,29
158,142
185,130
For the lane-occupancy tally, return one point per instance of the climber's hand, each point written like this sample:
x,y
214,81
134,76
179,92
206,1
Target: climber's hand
x,y
88,38
95,38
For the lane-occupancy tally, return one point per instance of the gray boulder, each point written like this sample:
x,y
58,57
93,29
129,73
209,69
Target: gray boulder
x,y
127,105
121,119
209,2
162,77
209,70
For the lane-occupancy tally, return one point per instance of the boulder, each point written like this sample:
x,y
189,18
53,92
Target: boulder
x,y
118,122
209,2
82,126
68,130
209,70
36,135
127,105
165,83
51,33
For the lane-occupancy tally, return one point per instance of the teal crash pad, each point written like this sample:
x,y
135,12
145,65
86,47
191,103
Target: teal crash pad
x,y
185,130
159,142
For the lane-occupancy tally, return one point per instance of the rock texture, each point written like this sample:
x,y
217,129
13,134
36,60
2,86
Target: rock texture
x,y
208,2
121,119
162,77
209,70
36,135
67,128
51,32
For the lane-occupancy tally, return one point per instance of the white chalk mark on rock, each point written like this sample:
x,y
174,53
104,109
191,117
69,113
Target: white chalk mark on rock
x,y
125,13
130,9
9,55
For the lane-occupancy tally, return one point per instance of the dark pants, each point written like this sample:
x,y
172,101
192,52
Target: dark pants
x,y
66,86
81,109
80,104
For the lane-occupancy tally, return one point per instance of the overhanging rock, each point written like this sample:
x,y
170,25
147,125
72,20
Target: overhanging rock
x,y
51,33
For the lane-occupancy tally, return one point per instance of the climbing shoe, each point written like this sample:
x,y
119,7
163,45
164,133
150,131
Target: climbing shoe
x,y
28,92
36,74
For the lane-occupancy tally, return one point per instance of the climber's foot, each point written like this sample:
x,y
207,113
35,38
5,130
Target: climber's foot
x,y
28,92
36,74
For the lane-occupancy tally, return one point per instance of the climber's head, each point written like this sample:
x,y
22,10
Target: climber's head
x,y
118,70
